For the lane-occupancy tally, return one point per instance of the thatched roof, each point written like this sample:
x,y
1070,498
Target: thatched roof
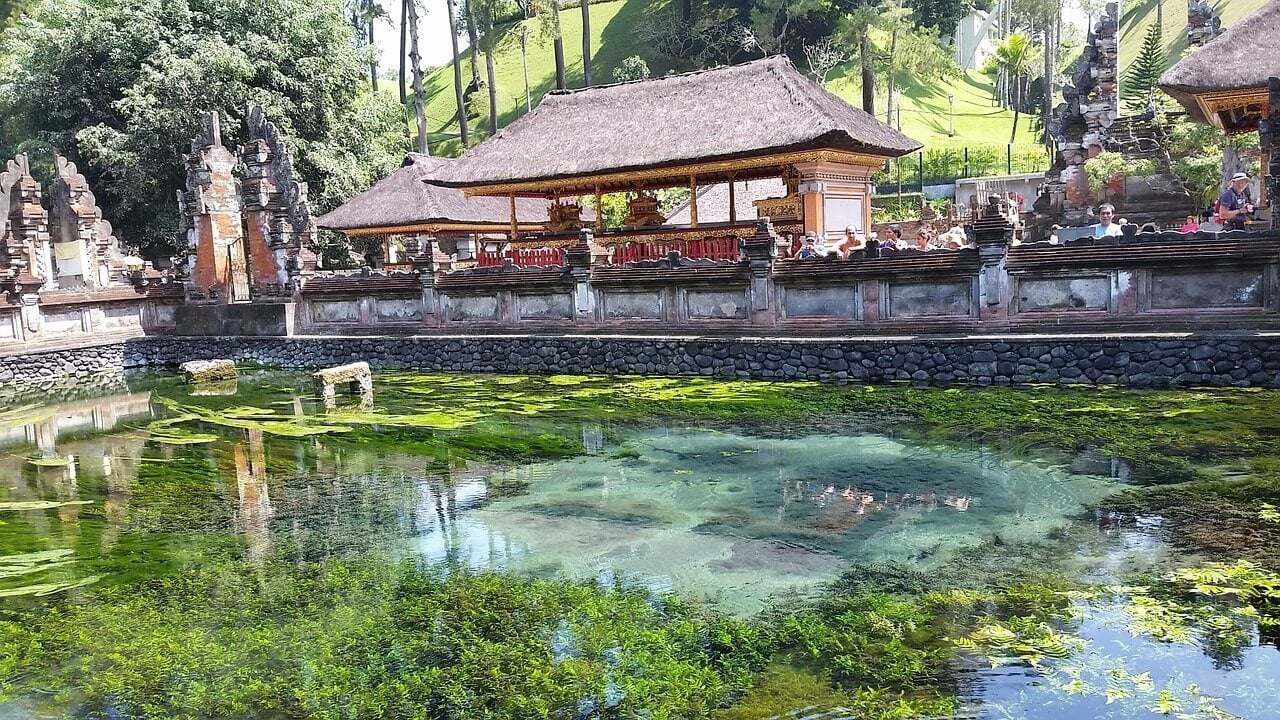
x,y
1241,58
741,111
713,201
405,199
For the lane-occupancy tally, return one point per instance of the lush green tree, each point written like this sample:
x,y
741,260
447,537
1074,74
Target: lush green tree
x,y
1144,77
941,15
118,85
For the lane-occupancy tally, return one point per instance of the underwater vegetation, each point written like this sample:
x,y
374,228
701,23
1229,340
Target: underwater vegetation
x,y
221,580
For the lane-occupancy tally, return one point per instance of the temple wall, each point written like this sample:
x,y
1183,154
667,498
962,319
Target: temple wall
x,y
1224,358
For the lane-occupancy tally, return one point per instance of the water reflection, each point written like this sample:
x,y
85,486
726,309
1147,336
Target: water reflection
x,y
735,514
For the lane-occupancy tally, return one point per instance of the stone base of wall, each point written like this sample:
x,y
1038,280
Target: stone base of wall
x,y
1135,361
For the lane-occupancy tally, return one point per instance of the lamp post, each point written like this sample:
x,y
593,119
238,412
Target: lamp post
x,y
951,114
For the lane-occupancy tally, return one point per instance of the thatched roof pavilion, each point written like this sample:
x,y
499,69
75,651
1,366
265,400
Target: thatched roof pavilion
x,y
1224,83
760,119
740,121
406,202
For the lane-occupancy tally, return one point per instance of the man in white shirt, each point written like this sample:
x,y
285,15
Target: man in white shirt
x,y
1106,228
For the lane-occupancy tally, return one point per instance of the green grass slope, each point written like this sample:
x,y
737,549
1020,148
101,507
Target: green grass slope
x,y
1139,15
925,115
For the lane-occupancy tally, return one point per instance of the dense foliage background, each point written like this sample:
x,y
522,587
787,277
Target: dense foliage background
x,y
117,86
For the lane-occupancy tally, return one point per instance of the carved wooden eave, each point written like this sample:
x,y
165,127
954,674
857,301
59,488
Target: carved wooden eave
x,y
707,172
1234,112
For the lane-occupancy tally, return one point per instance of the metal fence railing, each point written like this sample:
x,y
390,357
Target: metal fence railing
x,y
948,164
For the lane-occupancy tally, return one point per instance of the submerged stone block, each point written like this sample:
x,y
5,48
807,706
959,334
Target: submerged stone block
x,y
207,371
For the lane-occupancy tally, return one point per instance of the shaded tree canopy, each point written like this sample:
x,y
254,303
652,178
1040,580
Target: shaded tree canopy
x,y
117,85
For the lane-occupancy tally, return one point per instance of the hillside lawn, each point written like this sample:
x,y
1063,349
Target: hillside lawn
x,y
614,38
1141,14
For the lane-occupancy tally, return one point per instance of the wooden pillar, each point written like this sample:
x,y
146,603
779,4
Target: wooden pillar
x,y
733,205
514,226
693,201
599,213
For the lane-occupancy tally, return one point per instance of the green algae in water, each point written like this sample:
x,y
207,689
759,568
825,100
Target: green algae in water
x,y
615,514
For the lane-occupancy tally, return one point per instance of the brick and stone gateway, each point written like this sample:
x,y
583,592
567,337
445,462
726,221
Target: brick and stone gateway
x,y
1142,361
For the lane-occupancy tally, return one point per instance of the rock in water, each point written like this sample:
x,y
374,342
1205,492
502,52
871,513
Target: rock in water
x,y
203,371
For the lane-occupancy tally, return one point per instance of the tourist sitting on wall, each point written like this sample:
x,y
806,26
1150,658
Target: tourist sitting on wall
x,y
1105,227
1190,225
1235,206
924,237
853,241
808,250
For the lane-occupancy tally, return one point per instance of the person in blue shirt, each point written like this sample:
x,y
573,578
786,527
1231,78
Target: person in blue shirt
x,y
1106,228
1235,206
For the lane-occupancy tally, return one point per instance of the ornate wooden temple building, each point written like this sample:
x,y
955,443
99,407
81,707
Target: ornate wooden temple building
x,y
761,119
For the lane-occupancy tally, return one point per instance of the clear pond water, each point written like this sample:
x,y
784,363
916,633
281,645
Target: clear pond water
x,y
645,484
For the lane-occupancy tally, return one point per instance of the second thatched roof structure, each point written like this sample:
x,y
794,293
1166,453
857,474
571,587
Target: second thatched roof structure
x,y
750,110
406,201
1229,71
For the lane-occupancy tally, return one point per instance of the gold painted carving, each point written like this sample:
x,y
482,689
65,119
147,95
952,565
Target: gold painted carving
x,y
564,215
780,208
642,211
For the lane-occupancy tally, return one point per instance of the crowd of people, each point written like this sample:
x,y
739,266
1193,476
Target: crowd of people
x,y
1232,211
873,244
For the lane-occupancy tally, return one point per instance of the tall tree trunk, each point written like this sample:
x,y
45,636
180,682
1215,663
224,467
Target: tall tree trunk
x,y
1160,15
404,21
457,71
524,65
1049,52
889,98
558,45
686,9
373,64
472,35
1017,109
586,42
419,106
868,74
493,91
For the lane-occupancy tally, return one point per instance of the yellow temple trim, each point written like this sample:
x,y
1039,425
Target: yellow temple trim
x,y
676,175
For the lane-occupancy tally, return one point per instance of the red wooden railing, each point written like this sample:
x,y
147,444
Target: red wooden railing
x,y
522,257
725,248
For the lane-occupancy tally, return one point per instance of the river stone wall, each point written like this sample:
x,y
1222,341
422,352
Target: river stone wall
x,y
1134,361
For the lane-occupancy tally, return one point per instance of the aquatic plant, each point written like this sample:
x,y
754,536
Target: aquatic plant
x,y
361,639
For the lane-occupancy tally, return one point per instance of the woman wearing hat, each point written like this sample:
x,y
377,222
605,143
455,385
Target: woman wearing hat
x,y
1235,206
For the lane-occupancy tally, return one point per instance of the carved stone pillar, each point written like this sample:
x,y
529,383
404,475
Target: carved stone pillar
x,y
580,257
279,230
24,237
1203,24
424,254
835,195
85,249
994,232
761,249
212,219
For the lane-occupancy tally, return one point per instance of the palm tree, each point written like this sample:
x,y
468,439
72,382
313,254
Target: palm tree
x,y
369,12
457,72
1016,56
522,35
